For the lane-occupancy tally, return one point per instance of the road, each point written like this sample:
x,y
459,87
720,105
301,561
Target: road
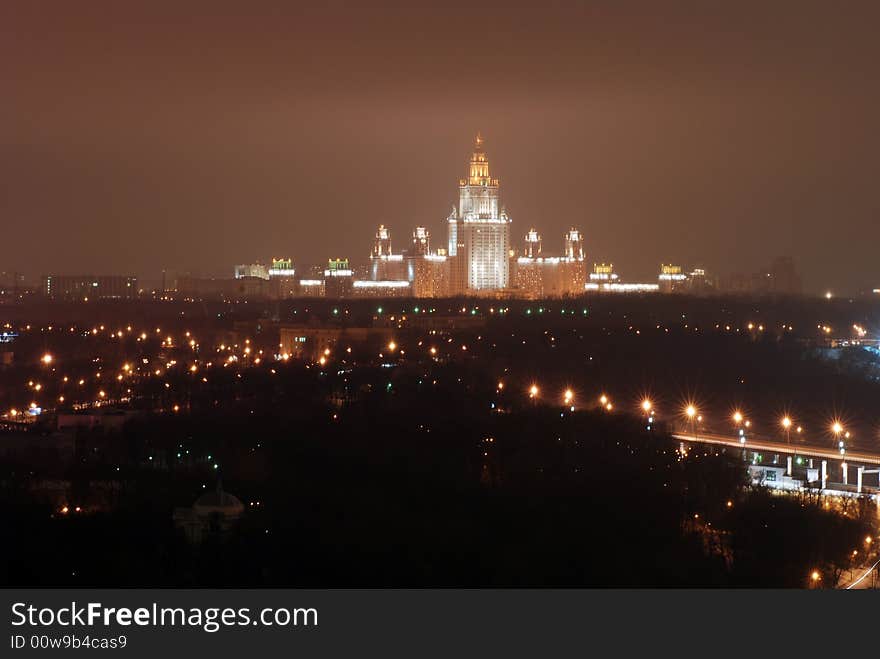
x,y
771,446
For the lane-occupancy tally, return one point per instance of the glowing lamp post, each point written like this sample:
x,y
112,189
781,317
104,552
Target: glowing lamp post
x,y
648,409
738,423
786,425
837,429
691,413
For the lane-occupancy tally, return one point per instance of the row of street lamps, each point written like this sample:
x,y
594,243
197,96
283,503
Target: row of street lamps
x,y
693,416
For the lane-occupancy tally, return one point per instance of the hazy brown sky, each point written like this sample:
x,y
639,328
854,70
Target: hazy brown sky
x,y
142,135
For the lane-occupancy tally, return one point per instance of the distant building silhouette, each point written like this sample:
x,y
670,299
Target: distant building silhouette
x,y
779,278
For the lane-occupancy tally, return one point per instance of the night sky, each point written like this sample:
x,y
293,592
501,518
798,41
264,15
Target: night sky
x,y
139,138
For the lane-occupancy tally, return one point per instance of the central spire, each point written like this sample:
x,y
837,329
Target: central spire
x,y
479,167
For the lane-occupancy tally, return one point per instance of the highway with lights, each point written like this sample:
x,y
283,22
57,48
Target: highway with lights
x,y
785,448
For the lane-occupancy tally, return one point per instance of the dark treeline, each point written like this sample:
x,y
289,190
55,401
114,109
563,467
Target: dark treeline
x,y
801,312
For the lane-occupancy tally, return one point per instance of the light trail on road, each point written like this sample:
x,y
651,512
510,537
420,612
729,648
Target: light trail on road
x,y
864,576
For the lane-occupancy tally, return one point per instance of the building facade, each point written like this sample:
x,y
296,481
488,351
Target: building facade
x,y
338,278
546,277
227,289
574,245
479,231
536,275
671,278
283,272
532,249
432,276
90,287
258,270
421,242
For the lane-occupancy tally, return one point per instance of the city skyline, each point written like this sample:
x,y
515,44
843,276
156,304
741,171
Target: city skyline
x,y
478,167
725,137
480,258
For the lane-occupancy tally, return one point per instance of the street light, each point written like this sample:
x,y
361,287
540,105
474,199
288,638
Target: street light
x,y
533,391
837,429
738,419
691,412
786,423
648,409
568,396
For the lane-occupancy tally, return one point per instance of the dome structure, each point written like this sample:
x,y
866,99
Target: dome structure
x,y
218,502
213,512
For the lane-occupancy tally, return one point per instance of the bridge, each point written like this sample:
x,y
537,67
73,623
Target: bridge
x,y
862,461
781,447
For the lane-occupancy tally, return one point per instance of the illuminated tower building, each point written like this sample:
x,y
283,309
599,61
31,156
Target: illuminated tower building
x,y
537,275
603,273
455,255
281,268
452,222
573,270
670,278
283,272
382,245
383,264
533,245
428,273
421,244
338,278
479,231
574,245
